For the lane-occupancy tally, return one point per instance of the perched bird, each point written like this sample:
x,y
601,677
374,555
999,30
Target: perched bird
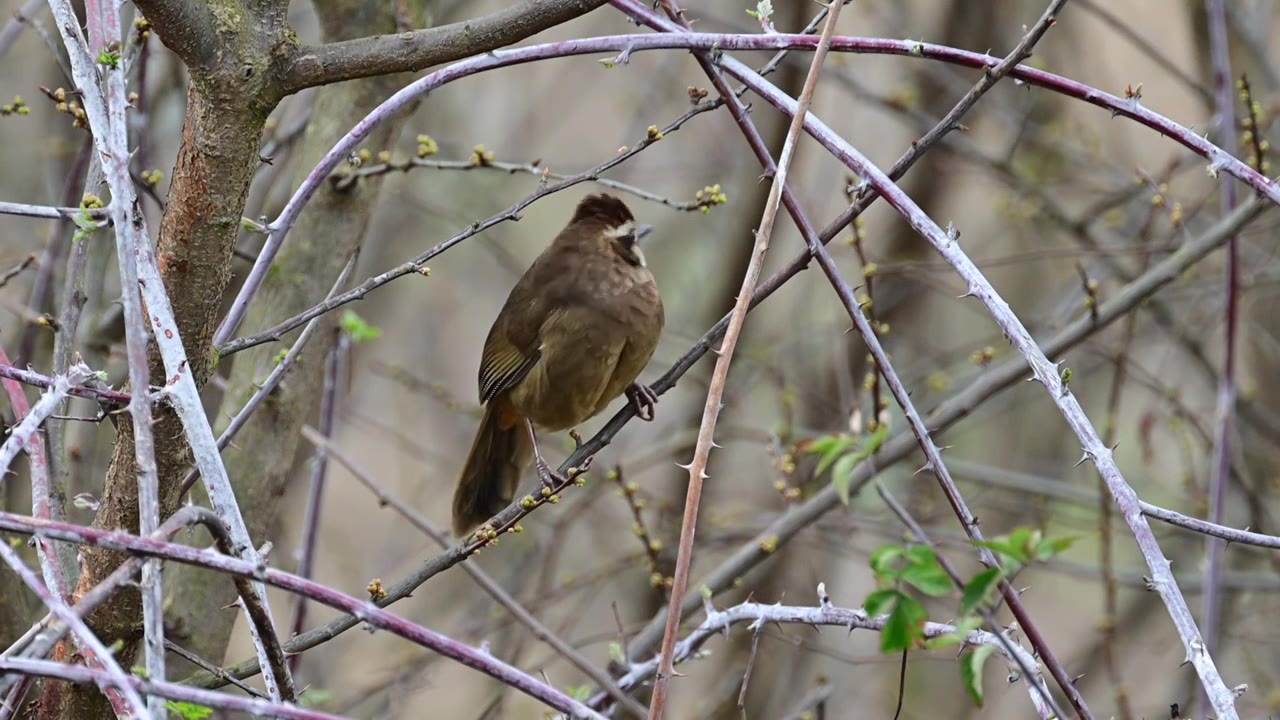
x,y
575,332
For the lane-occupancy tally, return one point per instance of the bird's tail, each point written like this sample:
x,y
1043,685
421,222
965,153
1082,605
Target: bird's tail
x,y
499,454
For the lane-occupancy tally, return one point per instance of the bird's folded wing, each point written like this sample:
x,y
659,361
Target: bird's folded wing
x,y
502,366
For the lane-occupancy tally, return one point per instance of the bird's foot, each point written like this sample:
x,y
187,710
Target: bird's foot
x,y
548,475
643,399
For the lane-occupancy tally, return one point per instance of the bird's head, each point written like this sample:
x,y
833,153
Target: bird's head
x,y
606,218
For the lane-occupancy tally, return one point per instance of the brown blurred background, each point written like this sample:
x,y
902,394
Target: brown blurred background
x,y
1038,185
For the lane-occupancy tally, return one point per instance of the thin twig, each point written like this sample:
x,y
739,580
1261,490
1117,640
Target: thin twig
x,y
711,410
43,642
139,269
419,263
172,691
114,682
333,364
758,615
537,169
273,380
495,590
13,28
1044,371
200,662
786,527
111,138
24,435
252,571
35,379
1220,473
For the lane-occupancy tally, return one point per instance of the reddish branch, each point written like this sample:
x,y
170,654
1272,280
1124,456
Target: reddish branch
x,y
366,611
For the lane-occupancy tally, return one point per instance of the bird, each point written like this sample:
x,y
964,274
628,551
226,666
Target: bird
x,y
576,331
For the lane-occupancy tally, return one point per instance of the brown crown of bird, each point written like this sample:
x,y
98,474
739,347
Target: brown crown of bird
x,y
575,332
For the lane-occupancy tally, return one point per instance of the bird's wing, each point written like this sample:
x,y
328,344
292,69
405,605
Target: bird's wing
x,y
503,364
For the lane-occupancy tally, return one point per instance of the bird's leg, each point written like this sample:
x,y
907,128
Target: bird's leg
x,y
643,399
549,477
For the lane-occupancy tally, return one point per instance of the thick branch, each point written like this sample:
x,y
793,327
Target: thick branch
x,y
409,51
187,27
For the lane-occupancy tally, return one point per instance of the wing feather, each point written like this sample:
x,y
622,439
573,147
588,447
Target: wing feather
x,y
503,365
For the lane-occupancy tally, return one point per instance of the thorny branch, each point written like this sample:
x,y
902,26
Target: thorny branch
x,y
715,391
1134,510
759,615
366,611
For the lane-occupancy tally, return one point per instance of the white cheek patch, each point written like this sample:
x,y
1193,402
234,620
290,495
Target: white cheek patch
x,y
635,250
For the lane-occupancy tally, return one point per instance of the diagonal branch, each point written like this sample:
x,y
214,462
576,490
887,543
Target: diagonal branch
x,y
846,295
1044,371
115,683
785,528
715,391
367,612
419,49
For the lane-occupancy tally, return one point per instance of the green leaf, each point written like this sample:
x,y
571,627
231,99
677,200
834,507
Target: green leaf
x,y
956,637
879,602
921,553
582,693
842,475
85,225
357,329
903,629
1052,547
1024,540
615,653
882,561
875,440
979,588
188,711
764,9
971,670
108,58
824,444
1017,548
831,450
928,578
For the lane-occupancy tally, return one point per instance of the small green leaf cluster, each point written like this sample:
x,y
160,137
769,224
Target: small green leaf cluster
x,y
109,58
900,570
841,453
358,329
763,11
896,566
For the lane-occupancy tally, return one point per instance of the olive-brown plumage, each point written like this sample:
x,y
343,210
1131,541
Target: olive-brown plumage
x,y
574,334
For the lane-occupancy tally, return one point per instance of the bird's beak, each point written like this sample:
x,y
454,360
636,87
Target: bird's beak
x,y
642,230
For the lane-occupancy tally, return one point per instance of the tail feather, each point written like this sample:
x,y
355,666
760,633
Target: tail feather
x,y
499,453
